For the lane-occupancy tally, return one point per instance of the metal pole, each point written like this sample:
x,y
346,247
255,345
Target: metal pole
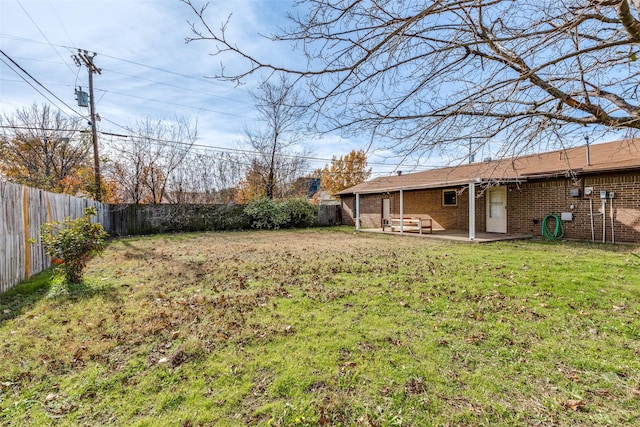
x,y
401,211
613,237
604,221
357,211
472,211
593,231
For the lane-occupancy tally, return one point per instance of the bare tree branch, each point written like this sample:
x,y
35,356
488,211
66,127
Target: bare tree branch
x,y
429,74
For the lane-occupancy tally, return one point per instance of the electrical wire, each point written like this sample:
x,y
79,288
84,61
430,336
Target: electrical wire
x,y
44,35
186,76
413,168
226,98
207,147
203,148
39,84
172,103
55,12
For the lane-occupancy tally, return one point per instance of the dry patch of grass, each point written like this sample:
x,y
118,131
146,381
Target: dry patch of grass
x,y
327,327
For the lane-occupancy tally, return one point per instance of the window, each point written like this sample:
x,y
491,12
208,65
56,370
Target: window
x,y
449,198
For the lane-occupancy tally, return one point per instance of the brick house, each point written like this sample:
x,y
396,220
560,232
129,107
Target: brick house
x,y
593,190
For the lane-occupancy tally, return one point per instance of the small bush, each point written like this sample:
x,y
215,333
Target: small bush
x,y
301,213
266,214
72,243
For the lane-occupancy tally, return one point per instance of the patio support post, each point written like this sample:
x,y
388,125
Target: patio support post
x,y
472,210
401,211
357,211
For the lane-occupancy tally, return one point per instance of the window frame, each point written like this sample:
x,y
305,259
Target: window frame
x,y
446,198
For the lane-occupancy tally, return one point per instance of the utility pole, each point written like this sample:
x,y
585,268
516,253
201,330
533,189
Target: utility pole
x,y
83,58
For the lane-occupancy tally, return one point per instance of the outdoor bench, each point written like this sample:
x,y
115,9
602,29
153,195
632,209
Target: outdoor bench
x,y
408,224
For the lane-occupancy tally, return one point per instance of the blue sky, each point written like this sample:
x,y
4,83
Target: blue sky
x,y
148,71
147,68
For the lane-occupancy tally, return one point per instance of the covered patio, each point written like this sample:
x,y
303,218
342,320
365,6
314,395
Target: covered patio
x,y
470,185
454,235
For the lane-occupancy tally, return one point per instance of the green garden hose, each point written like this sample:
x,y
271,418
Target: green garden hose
x,y
557,233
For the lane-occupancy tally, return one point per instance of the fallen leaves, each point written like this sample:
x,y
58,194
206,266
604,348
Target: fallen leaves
x,y
573,404
475,338
415,386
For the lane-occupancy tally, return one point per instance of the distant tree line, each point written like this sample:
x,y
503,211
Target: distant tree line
x,y
159,162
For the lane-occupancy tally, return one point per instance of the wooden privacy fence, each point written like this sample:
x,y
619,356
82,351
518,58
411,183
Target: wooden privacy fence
x,y
129,219
22,211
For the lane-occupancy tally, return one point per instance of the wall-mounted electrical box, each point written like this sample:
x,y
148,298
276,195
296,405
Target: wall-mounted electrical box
x,y
612,195
574,192
566,216
588,192
603,194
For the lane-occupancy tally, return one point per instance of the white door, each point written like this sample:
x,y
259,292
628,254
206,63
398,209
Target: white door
x,y
386,209
497,210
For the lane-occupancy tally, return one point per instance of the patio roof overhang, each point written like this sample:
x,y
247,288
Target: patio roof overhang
x,y
470,183
439,184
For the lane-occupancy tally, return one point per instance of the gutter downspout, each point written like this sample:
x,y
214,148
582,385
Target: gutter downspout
x,y
357,212
613,236
604,220
593,232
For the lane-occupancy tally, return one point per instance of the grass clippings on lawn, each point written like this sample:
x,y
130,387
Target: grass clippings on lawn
x,y
327,328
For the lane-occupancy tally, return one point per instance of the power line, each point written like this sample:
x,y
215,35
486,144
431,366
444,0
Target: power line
x,y
174,86
61,24
181,105
211,148
39,84
173,103
44,35
186,76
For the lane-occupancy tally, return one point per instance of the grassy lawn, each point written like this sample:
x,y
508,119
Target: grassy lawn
x,y
328,327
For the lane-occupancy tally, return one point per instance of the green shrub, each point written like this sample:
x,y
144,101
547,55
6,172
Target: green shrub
x,y
72,243
300,212
266,214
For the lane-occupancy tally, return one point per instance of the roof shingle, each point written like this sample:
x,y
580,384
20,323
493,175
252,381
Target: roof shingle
x,y
606,157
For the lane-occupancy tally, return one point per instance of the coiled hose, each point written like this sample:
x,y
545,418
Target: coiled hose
x,y
557,233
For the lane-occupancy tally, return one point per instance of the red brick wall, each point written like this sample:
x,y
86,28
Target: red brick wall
x,y
419,203
348,210
527,205
428,204
371,211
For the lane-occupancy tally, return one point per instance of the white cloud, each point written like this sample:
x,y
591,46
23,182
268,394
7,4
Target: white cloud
x,y
147,68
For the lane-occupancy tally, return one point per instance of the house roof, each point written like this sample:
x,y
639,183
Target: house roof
x,y
606,157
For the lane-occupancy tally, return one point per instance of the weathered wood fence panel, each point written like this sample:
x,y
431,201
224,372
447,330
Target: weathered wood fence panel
x,y
22,211
329,215
149,219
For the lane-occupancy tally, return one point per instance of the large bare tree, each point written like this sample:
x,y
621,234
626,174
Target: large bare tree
x,y
276,157
205,178
440,73
42,148
145,162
